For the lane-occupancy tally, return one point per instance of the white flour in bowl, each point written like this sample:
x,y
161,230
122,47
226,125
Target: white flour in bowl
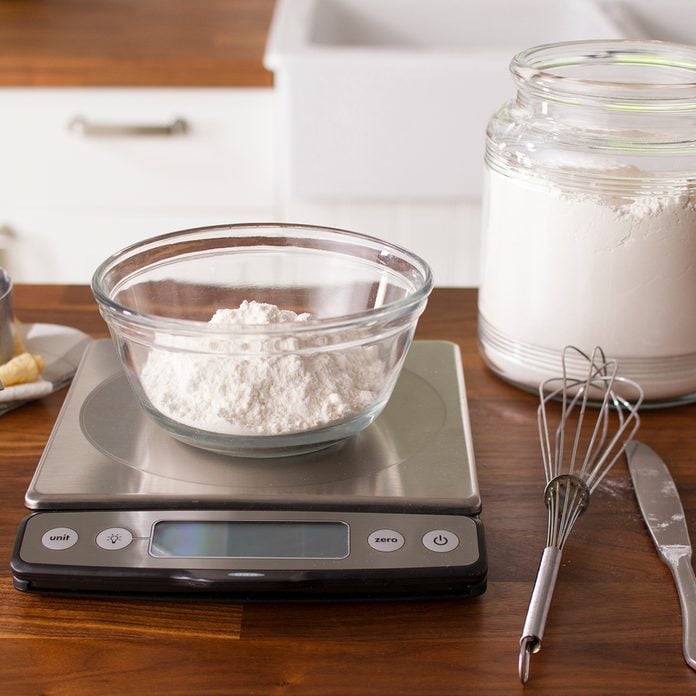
x,y
590,269
243,392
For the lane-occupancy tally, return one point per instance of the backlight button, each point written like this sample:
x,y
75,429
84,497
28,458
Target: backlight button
x,y
114,538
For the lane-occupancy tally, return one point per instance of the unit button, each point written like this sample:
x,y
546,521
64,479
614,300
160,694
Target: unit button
x,y
59,538
385,540
440,540
114,538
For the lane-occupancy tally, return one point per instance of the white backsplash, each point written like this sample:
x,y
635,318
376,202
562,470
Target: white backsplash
x,y
446,235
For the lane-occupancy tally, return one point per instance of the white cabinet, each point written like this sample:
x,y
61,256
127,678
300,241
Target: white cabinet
x,y
71,196
390,100
70,199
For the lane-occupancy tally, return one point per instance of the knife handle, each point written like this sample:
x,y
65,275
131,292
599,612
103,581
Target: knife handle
x,y
685,580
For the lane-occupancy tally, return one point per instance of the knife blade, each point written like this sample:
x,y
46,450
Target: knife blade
x,y
659,502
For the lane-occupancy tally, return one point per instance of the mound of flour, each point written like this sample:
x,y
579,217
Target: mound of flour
x,y
237,389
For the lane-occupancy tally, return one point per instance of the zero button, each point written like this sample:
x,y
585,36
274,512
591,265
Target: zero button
x,y
385,540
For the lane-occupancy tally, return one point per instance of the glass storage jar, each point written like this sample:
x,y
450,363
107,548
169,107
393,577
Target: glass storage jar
x,y
589,220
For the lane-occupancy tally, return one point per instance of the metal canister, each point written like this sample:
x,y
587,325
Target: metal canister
x,y
6,317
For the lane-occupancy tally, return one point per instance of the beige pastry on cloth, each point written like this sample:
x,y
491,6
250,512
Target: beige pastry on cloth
x,y
22,368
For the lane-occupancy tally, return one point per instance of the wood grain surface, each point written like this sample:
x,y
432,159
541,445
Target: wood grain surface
x,y
614,626
134,43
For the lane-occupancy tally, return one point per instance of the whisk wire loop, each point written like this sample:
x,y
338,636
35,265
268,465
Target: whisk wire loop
x,y
566,497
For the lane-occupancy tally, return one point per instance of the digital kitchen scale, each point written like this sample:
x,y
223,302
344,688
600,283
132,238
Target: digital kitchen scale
x,y
122,507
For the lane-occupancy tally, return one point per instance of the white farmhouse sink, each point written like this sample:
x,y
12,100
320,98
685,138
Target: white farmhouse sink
x,y
389,99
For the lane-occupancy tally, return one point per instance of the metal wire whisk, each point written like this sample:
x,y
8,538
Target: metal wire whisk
x,y
595,415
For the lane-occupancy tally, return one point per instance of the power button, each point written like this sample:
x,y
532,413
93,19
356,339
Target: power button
x,y
440,540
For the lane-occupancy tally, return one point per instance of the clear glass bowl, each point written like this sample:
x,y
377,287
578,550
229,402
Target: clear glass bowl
x,y
262,389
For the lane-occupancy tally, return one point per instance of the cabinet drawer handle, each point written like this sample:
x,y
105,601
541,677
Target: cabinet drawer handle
x,y
83,126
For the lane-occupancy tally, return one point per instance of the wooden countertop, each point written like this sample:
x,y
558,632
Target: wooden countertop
x,y
614,626
134,43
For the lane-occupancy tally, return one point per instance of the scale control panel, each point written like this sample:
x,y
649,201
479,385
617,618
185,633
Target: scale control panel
x,y
170,550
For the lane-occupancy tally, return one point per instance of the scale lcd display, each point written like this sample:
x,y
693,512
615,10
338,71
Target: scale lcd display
x,y
229,539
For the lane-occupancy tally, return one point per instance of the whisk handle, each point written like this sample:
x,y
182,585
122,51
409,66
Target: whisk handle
x,y
538,610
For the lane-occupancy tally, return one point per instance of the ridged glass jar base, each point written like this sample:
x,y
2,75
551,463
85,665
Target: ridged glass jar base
x,y
526,365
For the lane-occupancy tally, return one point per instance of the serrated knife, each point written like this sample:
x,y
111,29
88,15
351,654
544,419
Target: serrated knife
x,y
663,513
